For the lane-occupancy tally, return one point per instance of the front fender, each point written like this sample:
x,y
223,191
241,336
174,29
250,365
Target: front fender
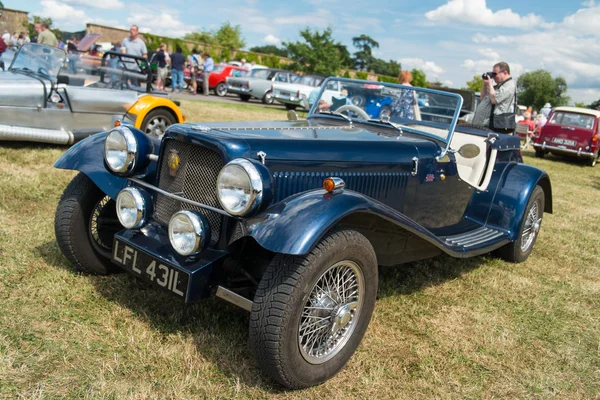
x,y
514,189
296,224
148,103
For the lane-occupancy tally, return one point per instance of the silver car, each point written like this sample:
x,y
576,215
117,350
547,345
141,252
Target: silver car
x,y
259,84
37,104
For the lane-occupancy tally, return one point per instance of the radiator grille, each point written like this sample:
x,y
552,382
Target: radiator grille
x,y
195,180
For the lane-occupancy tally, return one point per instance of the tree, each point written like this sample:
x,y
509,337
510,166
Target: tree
x,y
318,53
538,88
230,37
418,78
270,49
345,56
389,68
1,5
205,37
595,105
363,57
475,84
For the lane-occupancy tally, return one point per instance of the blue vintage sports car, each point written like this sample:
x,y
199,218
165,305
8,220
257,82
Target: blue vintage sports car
x,y
291,219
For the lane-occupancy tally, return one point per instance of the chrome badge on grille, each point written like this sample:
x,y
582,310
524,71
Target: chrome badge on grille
x,y
173,162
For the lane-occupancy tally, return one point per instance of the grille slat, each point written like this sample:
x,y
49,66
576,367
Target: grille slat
x,y
196,180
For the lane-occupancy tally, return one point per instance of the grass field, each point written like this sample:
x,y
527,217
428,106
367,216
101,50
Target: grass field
x,y
443,328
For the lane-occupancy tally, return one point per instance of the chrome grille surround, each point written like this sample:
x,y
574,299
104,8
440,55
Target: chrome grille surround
x,y
195,180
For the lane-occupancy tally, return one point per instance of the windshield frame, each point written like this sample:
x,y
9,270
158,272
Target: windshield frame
x,y
24,51
313,113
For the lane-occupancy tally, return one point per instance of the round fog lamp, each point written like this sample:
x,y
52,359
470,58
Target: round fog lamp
x,y
120,150
188,232
131,208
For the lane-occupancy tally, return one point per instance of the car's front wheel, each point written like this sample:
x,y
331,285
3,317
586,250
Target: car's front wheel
x,y
268,98
85,224
518,250
593,161
157,121
310,312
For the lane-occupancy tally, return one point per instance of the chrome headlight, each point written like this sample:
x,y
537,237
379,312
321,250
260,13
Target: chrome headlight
x,y
120,150
188,232
239,187
131,208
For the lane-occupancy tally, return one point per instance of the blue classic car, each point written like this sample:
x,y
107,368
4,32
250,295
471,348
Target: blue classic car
x,y
291,219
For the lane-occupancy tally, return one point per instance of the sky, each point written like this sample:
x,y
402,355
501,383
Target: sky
x,y
451,40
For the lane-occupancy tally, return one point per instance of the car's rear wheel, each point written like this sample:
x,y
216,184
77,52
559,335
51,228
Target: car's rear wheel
x,y
221,89
244,97
540,153
310,312
268,98
157,121
518,250
85,224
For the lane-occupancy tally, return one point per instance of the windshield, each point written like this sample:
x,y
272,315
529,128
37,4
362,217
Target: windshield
x,y
310,80
41,59
423,111
572,119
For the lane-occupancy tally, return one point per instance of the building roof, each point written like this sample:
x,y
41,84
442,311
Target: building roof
x,y
578,110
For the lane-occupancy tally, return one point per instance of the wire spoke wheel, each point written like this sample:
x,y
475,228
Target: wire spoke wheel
x,y
532,227
103,226
331,311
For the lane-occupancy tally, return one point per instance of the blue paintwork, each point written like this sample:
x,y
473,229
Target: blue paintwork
x,y
87,156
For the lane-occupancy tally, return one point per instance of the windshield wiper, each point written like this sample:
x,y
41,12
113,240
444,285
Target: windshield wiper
x,y
328,112
386,121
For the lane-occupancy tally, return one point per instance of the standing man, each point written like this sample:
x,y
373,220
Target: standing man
x,y
134,44
45,35
497,99
177,63
208,65
163,59
194,66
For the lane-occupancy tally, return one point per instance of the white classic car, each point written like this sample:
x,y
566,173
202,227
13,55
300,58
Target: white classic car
x,y
297,94
258,84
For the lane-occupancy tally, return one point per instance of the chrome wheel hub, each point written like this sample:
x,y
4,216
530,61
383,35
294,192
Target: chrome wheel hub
x,y
532,227
331,312
157,127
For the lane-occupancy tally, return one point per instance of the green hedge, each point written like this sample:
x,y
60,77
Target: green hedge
x,y
388,79
361,75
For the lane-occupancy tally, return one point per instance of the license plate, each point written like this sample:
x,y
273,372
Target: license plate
x,y
149,269
568,142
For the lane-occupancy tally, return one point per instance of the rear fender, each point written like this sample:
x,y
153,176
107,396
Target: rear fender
x,y
296,224
147,104
512,195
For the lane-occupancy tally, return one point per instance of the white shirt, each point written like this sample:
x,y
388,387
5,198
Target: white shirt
x,y
6,38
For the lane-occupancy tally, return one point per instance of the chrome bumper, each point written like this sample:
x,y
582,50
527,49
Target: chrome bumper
x,y
238,90
580,152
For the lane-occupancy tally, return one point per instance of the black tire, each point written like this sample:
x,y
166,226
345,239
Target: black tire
x,y
157,121
268,98
385,111
288,286
244,97
540,153
81,209
221,89
518,251
290,106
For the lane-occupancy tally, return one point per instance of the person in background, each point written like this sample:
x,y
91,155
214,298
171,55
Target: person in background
x,y
208,67
14,40
194,63
527,121
72,55
546,110
177,63
243,63
45,35
540,121
163,60
6,37
498,98
406,104
21,40
133,44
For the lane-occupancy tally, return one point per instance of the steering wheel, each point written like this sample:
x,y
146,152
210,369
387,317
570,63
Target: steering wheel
x,y
350,107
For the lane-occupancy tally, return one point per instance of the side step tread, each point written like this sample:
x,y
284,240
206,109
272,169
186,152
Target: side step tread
x,y
473,238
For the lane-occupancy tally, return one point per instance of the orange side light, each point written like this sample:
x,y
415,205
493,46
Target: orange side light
x,y
328,184
117,123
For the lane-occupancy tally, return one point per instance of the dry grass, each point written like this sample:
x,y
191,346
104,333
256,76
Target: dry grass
x,y
443,328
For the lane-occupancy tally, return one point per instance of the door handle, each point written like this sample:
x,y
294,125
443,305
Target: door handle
x,y
415,166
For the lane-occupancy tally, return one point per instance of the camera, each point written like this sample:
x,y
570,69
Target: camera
x,y
488,75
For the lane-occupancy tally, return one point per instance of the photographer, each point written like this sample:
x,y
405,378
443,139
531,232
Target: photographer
x,y
496,109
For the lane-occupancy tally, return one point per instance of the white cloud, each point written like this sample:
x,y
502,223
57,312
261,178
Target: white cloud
x,y
584,21
162,23
499,39
430,68
320,18
63,15
490,53
272,39
476,12
105,4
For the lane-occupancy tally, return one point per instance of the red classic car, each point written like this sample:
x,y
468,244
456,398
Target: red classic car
x,y
570,131
217,78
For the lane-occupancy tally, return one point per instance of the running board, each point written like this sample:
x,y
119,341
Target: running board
x,y
20,133
474,237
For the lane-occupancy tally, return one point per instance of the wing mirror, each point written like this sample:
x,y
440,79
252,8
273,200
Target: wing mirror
x,y
467,151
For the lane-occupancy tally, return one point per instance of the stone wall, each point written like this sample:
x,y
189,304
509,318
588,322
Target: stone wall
x,y
109,34
13,20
